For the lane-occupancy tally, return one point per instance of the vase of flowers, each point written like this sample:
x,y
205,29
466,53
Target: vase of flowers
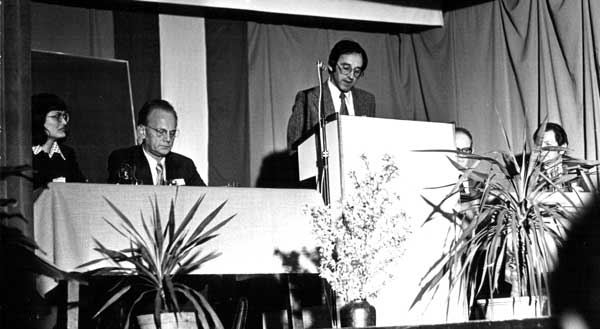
x,y
358,314
360,237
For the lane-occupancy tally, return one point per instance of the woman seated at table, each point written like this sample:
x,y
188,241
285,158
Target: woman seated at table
x,y
52,160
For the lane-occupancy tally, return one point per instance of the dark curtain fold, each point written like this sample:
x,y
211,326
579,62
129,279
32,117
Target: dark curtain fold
x,y
15,113
509,64
137,41
227,88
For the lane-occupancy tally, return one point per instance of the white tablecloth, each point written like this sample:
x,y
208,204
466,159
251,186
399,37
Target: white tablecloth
x,y
67,217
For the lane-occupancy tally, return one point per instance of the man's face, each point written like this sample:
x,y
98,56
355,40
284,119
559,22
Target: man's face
x,y
347,71
464,145
159,133
549,139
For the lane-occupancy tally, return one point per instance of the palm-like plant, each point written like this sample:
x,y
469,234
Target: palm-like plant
x,y
158,257
510,224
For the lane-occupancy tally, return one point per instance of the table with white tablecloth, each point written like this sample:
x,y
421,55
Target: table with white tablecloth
x,y
68,217
269,223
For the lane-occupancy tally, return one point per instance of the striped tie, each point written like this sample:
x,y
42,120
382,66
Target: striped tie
x,y
343,108
160,179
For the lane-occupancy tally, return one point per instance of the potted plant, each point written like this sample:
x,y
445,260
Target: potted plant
x,y
510,231
359,238
158,256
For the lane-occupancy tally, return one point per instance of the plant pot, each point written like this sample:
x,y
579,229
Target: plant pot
x,y
185,320
358,313
508,308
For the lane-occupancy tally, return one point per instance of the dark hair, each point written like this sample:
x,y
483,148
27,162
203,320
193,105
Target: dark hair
x,y
343,47
464,131
41,104
559,133
152,105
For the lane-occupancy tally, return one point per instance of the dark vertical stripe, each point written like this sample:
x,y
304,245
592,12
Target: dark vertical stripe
x,y
16,109
227,80
137,40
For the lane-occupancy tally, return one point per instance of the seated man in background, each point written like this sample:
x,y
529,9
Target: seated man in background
x,y
463,140
152,162
347,63
555,162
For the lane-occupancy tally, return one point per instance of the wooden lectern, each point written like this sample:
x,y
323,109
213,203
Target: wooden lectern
x,y
427,175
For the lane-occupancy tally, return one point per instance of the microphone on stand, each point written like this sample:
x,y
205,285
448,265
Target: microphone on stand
x,y
321,66
323,158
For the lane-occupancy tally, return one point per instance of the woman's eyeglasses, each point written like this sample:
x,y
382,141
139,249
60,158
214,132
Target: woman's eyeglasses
x,y
60,115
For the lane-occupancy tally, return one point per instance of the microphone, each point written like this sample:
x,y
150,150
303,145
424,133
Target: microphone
x,y
321,66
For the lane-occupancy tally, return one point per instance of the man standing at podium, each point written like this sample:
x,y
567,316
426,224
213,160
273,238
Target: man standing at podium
x,y
346,65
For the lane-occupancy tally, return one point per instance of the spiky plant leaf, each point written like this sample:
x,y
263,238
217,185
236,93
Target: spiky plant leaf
x,y
512,223
157,254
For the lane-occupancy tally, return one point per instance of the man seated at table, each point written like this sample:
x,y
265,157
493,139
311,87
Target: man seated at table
x,y
152,162
555,163
550,155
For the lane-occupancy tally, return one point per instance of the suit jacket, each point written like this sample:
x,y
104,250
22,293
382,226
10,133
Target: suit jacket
x,y
305,111
178,166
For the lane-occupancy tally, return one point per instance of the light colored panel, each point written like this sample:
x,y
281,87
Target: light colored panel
x,y
183,81
344,9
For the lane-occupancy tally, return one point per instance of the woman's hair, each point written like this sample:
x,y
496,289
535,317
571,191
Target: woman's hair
x,y
41,104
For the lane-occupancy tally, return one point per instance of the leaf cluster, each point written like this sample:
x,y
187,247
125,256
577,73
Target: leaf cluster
x,y
158,256
510,231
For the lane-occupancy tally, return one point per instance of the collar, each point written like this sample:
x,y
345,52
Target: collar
x,y
55,149
335,91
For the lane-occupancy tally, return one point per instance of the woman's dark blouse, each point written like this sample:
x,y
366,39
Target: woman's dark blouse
x,y
46,169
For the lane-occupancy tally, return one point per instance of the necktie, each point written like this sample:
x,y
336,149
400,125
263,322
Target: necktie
x,y
343,108
160,179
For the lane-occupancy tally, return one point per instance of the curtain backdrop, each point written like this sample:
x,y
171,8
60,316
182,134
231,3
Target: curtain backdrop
x,y
525,60
507,63
227,89
77,31
137,41
282,61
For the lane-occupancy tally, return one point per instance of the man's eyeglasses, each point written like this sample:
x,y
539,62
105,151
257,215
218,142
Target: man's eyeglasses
x,y
465,150
60,115
162,133
346,69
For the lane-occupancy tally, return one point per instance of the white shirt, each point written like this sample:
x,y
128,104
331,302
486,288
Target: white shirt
x,y
337,102
152,162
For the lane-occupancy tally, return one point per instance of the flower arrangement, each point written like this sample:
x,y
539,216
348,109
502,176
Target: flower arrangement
x,y
359,237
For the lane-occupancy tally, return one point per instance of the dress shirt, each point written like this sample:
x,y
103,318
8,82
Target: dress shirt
x,y
152,162
337,103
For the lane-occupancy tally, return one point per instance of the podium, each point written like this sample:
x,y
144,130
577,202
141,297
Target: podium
x,y
422,175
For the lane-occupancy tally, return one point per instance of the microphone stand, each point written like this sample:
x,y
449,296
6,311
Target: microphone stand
x,y
323,184
323,160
